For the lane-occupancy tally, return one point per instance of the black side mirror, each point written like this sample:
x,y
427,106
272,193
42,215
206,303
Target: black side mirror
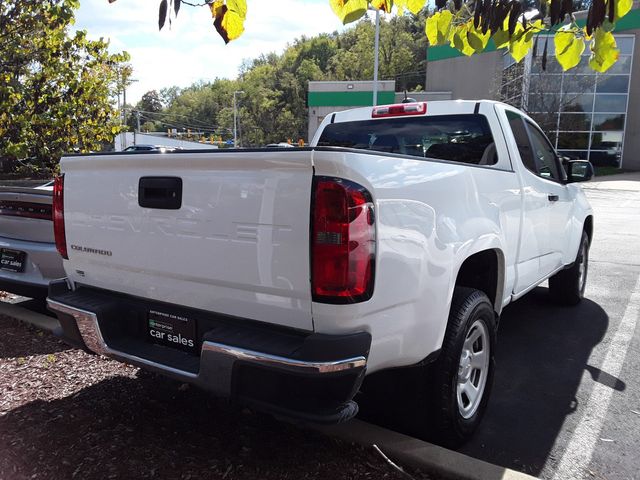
x,y
579,171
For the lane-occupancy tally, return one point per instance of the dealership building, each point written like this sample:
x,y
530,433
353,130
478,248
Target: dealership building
x,y
585,114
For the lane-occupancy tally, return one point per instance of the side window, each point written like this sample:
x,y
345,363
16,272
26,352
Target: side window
x,y
516,122
535,150
544,154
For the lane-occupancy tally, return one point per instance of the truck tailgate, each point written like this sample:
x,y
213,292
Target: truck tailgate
x,y
238,243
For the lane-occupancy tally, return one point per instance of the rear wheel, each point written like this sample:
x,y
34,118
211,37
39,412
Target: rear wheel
x,y
567,286
460,380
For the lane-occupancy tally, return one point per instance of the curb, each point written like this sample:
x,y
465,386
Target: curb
x,y
421,455
38,320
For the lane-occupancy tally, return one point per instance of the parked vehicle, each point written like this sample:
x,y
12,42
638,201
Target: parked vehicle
x,y
28,256
279,145
150,148
282,278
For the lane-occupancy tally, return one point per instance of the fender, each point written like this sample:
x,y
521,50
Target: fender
x,y
580,212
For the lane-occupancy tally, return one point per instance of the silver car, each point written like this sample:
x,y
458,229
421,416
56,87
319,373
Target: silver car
x,y
28,256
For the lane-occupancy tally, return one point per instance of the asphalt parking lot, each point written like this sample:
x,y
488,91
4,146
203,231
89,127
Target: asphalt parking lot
x,y
566,400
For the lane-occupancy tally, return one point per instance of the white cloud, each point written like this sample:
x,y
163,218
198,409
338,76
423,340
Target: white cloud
x,y
191,49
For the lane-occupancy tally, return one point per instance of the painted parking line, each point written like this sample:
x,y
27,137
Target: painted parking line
x,y
579,451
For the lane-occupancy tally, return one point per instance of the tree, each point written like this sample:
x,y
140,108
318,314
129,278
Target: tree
x,y
468,25
273,106
55,86
150,102
168,95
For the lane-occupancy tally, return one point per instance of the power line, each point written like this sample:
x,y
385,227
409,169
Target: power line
x,y
186,126
192,121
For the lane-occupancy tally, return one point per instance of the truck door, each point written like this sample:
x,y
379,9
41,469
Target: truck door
x,y
546,204
551,173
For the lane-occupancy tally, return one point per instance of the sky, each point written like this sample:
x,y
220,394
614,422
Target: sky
x,y
191,50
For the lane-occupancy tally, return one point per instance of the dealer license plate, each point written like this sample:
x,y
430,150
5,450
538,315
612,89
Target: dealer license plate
x,y
12,260
172,330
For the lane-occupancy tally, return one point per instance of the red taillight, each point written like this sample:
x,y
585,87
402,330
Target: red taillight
x,y
58,216
343,242
419,108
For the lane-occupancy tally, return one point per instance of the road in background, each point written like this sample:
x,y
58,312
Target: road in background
x,y
566,399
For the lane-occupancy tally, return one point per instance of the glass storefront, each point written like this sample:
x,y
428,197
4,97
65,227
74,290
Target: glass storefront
x,y
582,112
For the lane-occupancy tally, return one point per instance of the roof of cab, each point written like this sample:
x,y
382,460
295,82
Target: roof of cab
x,y
437,107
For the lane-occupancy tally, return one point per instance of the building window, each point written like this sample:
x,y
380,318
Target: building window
x,y
582,112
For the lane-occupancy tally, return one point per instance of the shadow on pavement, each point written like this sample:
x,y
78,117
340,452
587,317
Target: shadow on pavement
x,y
14,342
541,357
38,305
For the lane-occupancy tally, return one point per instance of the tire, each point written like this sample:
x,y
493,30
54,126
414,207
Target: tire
x,y
455,413
567,286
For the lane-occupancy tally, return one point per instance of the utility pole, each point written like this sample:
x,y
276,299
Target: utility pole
x,y
124,111
235,119
137,130
123,144
375,59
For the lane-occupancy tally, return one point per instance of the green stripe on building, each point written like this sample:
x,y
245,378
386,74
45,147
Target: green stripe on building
x,y
442,52
630,21
348,99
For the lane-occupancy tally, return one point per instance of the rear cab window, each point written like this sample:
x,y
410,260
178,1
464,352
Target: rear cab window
x,y
462,138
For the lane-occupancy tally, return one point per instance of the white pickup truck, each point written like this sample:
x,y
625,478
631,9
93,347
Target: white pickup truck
x,y
280,277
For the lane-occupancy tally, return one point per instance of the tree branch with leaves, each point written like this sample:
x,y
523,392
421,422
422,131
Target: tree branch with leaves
x,y
56,86
467,25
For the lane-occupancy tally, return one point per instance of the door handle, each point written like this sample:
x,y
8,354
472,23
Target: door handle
x,y
553,198
160,192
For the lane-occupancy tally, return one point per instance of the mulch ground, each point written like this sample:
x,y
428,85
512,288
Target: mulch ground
x,y
66,414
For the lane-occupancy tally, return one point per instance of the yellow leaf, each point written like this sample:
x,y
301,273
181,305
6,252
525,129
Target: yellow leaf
x,y
568,48
521,42
438,27
233,25
384,5
622,7
415,6
228,21
349,10
538,26
604,51
216,8
460,42
501,38
477,40
239,7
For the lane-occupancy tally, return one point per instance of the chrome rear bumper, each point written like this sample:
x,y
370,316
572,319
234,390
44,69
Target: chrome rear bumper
x,y
318,364
90,330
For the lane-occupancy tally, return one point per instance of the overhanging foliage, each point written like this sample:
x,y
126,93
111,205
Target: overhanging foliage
x,y
468,25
